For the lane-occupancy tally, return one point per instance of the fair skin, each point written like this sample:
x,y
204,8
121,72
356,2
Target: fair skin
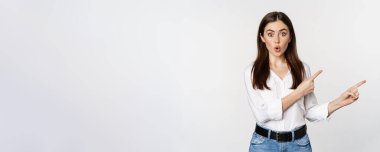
x,y
276,37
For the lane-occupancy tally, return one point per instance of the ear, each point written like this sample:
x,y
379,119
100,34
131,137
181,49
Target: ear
x,y
262,38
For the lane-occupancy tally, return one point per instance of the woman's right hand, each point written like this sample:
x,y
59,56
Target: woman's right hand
x,y
307,86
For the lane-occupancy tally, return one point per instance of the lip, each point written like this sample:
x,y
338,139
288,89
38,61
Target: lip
x,y
277,49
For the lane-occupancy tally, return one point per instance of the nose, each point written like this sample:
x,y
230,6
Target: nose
x,y
277,39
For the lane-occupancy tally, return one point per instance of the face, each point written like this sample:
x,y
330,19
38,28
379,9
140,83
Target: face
x,y
276,37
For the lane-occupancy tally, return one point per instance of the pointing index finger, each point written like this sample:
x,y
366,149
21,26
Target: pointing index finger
x,y
315,75
360,83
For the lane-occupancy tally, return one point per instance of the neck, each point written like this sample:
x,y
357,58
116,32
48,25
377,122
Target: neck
x,y
277,61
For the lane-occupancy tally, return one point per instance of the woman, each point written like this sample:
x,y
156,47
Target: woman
x,y
280,89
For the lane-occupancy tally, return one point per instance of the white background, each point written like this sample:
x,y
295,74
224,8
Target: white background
x,y
167,76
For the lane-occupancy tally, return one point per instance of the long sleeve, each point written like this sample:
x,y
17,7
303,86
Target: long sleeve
x,y
266,105
264,108
314,111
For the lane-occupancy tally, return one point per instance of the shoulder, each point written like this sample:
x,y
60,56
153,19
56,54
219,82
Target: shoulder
x,y
248,71
306,66
307,69
248,68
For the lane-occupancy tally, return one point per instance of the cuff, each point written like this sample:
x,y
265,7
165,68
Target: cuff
x,y
325,111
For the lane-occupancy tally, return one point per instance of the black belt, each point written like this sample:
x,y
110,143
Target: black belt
x,y
281,136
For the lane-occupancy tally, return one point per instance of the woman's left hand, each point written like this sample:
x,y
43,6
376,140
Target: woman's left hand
x,y
350,95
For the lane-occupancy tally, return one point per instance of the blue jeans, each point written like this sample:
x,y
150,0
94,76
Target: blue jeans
x,y
264,144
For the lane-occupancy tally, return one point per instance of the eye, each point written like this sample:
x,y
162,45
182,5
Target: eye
x,y
270,34
284,33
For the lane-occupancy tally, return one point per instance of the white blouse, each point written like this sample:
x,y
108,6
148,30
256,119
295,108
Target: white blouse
x,y
266,105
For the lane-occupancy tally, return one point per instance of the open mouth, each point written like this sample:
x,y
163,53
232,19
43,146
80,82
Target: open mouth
x,y
277,49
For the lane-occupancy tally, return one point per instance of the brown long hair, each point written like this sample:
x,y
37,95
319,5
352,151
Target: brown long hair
x,y
260,69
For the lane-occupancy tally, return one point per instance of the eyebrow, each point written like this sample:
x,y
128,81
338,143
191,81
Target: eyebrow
x,y
269,30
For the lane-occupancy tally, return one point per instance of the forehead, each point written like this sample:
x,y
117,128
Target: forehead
x,y
276,26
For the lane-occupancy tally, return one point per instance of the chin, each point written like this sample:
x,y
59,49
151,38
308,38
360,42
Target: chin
x,y
277,54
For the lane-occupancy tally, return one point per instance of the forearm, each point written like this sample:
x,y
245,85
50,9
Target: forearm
x,y
290,99
333,106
